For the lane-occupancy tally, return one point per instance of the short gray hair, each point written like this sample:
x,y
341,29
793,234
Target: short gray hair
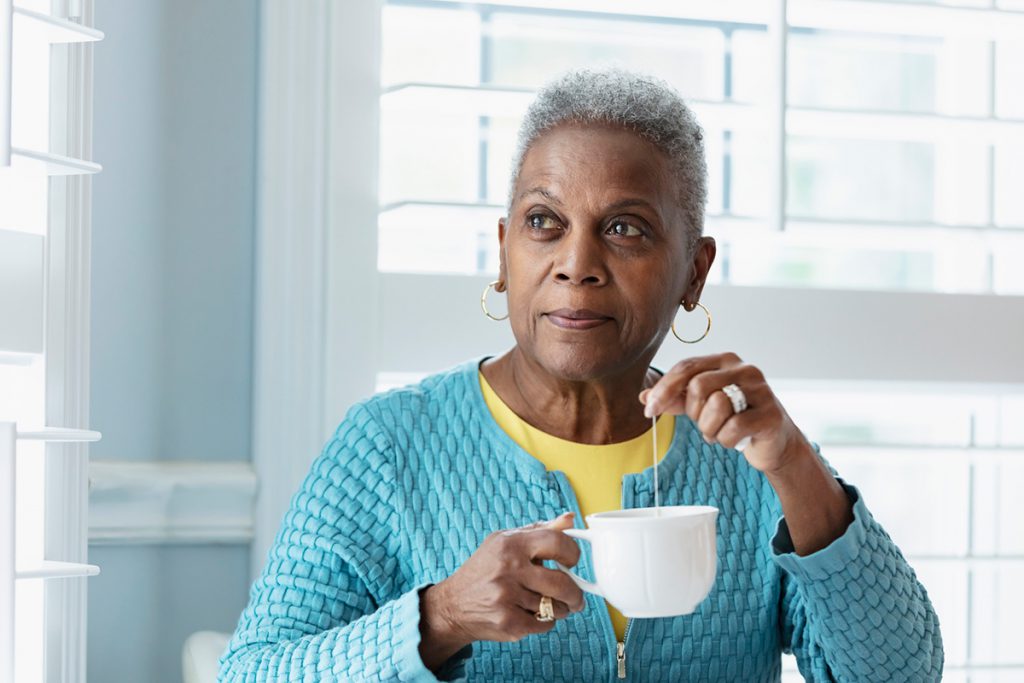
x,y
645,105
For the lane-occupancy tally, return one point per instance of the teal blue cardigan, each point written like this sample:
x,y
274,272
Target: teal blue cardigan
x,y
415,478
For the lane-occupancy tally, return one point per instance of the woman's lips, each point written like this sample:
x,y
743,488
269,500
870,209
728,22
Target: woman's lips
x,y
577,319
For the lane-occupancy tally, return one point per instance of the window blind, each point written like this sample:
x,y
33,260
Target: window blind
x,y
902,124
45,120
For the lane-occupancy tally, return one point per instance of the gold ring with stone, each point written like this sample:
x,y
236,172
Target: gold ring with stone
x,y
547,610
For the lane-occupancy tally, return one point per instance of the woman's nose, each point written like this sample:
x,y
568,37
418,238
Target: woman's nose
x,y
580,259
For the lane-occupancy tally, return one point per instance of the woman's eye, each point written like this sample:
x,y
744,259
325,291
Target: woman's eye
x,y
624,229
539,221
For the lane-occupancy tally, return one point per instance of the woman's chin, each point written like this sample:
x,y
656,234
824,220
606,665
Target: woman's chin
x,y
580,363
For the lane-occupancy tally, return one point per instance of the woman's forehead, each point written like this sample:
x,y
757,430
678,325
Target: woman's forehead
x,y
594,160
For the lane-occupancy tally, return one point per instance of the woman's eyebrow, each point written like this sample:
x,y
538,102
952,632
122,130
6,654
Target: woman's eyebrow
x,y
543,191
621,204
629,202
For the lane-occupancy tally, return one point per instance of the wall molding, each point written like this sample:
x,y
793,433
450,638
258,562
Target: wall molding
x,y
316,218
171,502
288,336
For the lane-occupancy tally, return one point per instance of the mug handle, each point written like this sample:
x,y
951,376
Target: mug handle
x,y
583,535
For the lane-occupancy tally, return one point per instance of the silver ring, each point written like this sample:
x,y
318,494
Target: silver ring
x,y
737,397
547,610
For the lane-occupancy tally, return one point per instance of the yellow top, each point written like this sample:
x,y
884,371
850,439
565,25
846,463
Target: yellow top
x,y
594,471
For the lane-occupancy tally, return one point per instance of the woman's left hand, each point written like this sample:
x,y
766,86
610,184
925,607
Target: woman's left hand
x,y
694,387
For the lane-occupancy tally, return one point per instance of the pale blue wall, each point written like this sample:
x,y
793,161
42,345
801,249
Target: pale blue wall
x,y
145,602
173,233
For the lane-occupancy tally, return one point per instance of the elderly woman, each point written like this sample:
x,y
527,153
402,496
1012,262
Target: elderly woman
x,y
416,548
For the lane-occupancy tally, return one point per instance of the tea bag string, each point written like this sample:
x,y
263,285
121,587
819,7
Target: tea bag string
x,y
654,458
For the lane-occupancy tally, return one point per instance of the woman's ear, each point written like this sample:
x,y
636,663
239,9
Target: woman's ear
x,y
704,252
502,267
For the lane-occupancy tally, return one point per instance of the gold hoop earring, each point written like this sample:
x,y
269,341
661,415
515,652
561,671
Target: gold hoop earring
x,y
706,330
483,302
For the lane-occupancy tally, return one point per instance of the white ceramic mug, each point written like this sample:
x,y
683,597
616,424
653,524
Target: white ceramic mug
x,y
649,565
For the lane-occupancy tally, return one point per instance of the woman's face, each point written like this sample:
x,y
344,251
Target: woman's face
x,y
594,252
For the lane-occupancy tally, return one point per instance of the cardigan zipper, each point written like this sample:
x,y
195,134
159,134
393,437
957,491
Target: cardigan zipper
x,y
620,647
620,650
562,482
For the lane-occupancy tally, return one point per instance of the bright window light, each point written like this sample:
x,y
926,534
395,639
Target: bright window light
x,y
23,207
904,139
21,401
891,131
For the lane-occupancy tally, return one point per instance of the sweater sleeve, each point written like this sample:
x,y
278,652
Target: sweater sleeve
x,y
855,611
327,605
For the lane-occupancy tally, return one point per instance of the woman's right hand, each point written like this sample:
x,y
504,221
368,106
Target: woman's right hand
x,y
496,594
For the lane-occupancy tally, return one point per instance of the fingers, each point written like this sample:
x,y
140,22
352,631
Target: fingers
x,y
717,410
555,584
523,622
706,387
530,601
565,520
693,387
551,544
534,543
517,605
718,422
669,395
517,618
747,424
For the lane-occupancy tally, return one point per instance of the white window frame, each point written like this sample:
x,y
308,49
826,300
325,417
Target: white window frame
x,y
6,52
67,354
67,304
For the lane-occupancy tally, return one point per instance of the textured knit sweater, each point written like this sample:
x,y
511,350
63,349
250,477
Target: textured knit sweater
x,y
414,480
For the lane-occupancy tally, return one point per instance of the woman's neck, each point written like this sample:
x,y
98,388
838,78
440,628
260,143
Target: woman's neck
x,y
599,411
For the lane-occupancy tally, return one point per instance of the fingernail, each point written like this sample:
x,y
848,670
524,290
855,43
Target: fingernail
x,y
649,409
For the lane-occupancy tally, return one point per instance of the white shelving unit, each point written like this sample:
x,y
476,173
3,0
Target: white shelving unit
x,y
46,163
48,29
9,572
44,309
52,29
